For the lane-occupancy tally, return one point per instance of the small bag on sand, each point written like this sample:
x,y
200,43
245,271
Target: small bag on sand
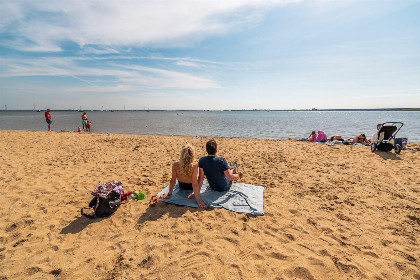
x,y
106,200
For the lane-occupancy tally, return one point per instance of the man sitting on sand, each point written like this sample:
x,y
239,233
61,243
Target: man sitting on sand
x,y
216,169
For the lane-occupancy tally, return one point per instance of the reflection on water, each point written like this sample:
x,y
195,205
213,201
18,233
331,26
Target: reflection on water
x,y
255,124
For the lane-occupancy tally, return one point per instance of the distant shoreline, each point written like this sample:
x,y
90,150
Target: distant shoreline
x,y
251,110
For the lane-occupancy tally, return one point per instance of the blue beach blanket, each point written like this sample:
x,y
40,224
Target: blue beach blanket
x,y
241,198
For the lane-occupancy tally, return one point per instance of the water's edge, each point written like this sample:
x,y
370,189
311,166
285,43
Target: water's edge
x,y
243,124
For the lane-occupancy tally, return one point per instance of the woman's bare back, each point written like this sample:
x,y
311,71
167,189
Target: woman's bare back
x,y
182,177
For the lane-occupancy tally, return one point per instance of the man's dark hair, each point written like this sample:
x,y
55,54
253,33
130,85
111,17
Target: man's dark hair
x,y
211,147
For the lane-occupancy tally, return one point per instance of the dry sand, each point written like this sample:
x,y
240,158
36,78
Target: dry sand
x,y
331,212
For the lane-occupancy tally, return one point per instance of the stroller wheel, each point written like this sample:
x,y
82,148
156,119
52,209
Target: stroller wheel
x,y
397,149
373,147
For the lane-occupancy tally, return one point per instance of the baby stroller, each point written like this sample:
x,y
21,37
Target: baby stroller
x,y
382,140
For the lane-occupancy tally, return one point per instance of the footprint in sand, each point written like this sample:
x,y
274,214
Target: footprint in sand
x,y
371,254
237,273
326,230
55,272
343,217
12,227
249,255
347,268
290,236
300,273
194,260
315,261
20,242
33,270
278,256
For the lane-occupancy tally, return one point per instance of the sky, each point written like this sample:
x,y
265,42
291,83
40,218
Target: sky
x,y
209,55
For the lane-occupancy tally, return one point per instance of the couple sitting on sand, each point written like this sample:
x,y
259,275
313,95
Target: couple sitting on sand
x,y
190,175
321,137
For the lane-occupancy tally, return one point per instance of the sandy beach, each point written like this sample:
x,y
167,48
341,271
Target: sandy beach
x,y
331,212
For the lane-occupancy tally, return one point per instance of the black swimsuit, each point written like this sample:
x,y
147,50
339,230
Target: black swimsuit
x,y
185,186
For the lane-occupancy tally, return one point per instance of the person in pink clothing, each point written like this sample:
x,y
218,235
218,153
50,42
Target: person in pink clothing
x,y
322,137
48,119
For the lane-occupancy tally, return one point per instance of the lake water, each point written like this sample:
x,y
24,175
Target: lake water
x,y
250,124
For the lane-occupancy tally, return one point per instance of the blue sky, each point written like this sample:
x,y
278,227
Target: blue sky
x,y
209,54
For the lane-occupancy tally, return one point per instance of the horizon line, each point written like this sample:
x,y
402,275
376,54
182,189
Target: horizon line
x,y
218,110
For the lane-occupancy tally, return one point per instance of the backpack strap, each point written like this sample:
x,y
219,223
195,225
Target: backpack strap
x,y
97,203
91,216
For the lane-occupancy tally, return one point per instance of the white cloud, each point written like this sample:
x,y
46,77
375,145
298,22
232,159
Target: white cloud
x,y
159,78
99,51
187,63
97,89
126,76
43,25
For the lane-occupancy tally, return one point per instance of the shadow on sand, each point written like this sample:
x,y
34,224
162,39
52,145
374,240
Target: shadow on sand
x,y
79,224
387,155
154,213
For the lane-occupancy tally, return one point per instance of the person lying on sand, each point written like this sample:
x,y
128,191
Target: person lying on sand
x,y
337,138
216,169
361,139
186,172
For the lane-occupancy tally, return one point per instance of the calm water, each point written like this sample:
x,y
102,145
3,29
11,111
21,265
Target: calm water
x,y
254,124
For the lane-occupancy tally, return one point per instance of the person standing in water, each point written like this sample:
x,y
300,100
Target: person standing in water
x,y
88,126
48,119
84,121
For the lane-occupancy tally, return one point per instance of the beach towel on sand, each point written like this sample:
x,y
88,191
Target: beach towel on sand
x,y
241,198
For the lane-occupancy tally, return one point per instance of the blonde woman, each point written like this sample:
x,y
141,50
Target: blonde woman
x,y
186,172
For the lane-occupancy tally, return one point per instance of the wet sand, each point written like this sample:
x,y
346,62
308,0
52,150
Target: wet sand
x,y
331,212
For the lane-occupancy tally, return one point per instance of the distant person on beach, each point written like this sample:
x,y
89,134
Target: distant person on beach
x,y
336,138
88,126
48,119
186,172
361,139
84,121
216,169
322,137
311,137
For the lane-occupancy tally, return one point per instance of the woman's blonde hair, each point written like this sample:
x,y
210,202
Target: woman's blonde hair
x,y
186,159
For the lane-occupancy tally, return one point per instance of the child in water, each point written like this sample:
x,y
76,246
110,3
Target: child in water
x,y
88,125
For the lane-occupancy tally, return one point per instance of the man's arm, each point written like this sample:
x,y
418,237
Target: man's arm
x,y
233,177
